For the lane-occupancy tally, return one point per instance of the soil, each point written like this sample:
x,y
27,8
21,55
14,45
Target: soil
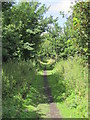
x,y
54,112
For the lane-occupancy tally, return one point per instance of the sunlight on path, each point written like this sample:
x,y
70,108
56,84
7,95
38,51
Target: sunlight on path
x,y
44,110
49,72
54,112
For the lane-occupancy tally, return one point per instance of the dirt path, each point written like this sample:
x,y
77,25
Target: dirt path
x,y
54,112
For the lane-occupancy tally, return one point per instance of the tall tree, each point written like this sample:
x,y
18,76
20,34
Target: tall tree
x,y
22,29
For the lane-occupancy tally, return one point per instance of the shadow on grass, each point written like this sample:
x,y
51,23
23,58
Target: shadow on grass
x,y
27,107
36,93
20,107
57,86
48,67
23,114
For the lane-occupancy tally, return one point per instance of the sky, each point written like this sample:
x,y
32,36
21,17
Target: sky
x,y
55,7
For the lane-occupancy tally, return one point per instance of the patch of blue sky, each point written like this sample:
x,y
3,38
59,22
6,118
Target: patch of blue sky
x,y
55,7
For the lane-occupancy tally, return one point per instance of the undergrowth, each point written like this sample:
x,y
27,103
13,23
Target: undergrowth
x,y
21,90
71,77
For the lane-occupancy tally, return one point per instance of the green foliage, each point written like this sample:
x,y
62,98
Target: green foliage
x,y
46,64
51,44
75,35
22,91
25,24
75,79
10,42
16,74
80,24
37,43
24,28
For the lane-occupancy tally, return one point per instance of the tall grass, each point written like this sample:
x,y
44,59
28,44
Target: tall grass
x,y
16,75
17,78
23,92
75,79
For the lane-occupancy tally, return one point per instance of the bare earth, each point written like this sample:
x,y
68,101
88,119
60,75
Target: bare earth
x,y
54,112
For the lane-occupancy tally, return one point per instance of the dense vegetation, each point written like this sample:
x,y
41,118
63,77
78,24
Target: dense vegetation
x,y
30,42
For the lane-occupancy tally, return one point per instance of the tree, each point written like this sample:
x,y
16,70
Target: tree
x,y
22,29
76,31
81,26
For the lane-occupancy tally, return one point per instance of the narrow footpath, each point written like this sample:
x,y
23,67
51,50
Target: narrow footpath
x,y
54,112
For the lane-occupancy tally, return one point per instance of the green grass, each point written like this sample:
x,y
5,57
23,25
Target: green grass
x,y
66,112
49,64
23,94
44,110
49,72
69,86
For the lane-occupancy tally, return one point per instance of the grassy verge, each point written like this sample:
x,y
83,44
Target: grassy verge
x,y
69,85
23,95
66,112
